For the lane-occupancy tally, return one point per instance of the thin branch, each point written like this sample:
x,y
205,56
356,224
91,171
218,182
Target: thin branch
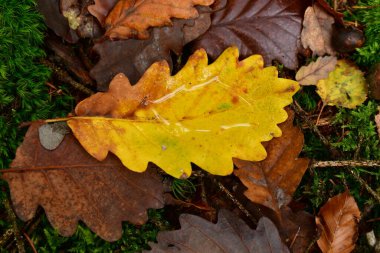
x,y
235,201
64,77
347,163
365,185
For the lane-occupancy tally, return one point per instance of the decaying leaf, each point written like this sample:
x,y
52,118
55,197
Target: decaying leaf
x,y
271,28
51,135
345,86
71,186
338,222
317,30
273,181
315,71
55,20
205,114
230,234
131,19
133,57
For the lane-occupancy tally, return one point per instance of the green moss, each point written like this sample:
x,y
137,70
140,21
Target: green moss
x,y
23,94
368,14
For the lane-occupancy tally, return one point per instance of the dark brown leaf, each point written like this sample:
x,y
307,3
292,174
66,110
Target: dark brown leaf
x,y
55,20
230,234
268,27
338,221
273,181
133,57
71,186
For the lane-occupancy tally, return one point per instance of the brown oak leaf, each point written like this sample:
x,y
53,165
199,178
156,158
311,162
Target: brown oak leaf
x,y
338,221
131,19
133,57
270,28
317,30
71,185
229,234
273,181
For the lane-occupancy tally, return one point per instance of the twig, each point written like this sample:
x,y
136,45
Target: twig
x,y
347,163
15,229
30,242
63,76
365,185
235,201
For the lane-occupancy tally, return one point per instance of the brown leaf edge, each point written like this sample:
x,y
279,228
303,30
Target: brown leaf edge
x,y
272,182
338,222
70,185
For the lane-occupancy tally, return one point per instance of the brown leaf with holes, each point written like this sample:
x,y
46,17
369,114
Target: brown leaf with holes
x,y
338,221
271,28
132,18
133,57
71,186
230,234
317,30
273,181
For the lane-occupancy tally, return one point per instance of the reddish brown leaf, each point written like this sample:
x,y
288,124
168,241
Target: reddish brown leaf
x,y
131,19
273,181
71,186
230,234
133,57
338,222
268,27
55,20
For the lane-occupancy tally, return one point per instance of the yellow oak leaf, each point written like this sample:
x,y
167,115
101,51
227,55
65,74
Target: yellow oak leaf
x,y
345,86
205,114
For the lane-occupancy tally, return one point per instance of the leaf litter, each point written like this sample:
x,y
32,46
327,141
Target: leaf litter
x,y
125,41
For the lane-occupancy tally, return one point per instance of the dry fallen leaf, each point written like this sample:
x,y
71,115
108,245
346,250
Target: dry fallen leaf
x,y
131,19
268,27
230,234
51,135
71,186
345,86
338,221
273,181
133,57
205,114
315,71
317,30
